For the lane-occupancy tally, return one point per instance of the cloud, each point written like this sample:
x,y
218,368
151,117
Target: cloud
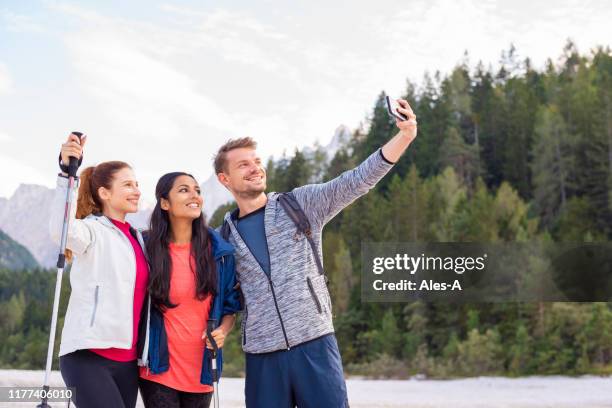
x,y
164,93
6,83
220,73
138,88
19,23
431,36
224,21
4,137
231,35
129,69
27,174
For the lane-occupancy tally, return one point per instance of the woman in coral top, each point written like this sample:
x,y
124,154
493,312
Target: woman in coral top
x,y
192,280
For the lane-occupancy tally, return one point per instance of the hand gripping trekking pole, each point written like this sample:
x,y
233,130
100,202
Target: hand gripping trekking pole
x,y
210,326
61,261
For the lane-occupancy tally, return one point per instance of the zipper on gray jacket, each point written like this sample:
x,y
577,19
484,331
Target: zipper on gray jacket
x,y
278,312
246,316
280,318
93,315
313,294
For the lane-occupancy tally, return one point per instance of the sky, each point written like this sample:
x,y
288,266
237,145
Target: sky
x,y
161,85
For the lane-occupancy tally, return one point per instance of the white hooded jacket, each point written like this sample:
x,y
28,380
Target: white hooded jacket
x,y
102,279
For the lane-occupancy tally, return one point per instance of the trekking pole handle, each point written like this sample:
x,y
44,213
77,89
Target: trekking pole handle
x,y
210,326
73,165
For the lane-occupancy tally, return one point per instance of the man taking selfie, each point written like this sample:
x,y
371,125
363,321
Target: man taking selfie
x,y
292,357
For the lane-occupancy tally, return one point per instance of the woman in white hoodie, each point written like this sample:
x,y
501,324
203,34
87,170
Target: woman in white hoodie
x,y
108,279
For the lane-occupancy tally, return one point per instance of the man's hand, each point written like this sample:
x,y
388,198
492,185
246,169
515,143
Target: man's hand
x,y
395,147
408,128
218,334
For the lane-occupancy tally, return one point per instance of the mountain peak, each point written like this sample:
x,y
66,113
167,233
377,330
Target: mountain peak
x,y
28,190
341,137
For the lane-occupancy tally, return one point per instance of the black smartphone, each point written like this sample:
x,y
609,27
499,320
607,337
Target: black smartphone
x,y
392,106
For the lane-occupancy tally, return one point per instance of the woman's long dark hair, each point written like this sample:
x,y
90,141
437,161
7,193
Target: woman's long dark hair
x,y
158,250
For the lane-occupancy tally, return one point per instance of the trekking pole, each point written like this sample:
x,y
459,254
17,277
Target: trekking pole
x,y
209,328
61,261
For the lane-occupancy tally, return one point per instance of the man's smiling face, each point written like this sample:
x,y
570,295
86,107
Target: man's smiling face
x,y
244,174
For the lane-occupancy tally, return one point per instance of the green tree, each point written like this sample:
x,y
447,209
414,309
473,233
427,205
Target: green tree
x,y
553,164
382,128
408,208
480,354
339,270
459,155
217,218
475,221
577,222
511,216
447,192
416,334
13,312
296,174
521,352
390,335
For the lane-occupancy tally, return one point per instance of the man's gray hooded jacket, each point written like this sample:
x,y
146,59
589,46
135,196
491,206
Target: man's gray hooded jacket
x,y
293,305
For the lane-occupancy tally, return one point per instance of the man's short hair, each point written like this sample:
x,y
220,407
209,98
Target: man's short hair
x,y
221,156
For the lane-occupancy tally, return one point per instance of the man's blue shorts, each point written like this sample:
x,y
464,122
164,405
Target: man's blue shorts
x,y
307,376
